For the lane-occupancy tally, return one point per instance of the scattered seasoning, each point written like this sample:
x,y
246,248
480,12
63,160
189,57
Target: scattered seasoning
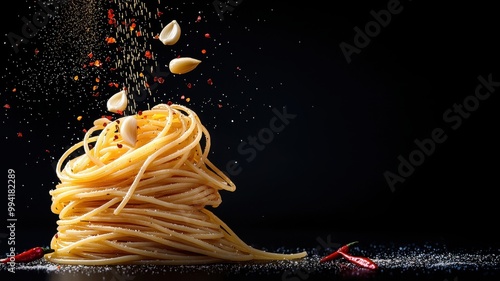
x,y
336,254
361,261
28,255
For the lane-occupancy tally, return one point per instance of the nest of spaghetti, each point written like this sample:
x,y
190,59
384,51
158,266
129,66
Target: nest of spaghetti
x,y
135,190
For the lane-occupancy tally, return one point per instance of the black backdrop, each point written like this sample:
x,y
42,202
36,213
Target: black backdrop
x,y
357,106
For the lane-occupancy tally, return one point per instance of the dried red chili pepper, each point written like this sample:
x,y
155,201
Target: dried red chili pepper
x,y
361,261
28,255
337,254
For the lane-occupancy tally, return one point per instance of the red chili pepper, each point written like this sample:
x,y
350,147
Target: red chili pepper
x,y
337,254
361,261
28,255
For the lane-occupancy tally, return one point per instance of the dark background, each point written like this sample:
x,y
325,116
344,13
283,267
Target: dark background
x,y
323,175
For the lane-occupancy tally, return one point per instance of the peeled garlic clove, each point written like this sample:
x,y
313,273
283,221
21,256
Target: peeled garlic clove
x,y
101,122
183,65
128,130
171,33
118,102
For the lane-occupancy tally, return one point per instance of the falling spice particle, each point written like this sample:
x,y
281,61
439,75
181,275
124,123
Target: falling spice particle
x,y
6,106
207,35
110,40
210,82
19,134
79,118
203,51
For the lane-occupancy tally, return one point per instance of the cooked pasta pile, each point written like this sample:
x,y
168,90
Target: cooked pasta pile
x,y
145,202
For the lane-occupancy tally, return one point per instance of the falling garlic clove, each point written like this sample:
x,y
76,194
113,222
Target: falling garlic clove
x,y
118,102
183,65
171,33
128,130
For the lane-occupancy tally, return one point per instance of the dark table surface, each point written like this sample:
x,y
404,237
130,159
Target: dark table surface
x,y
407,259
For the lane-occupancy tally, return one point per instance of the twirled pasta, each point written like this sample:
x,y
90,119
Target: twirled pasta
x,y
120,203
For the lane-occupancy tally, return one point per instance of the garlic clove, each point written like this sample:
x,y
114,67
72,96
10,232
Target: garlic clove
x,y
101,122
128,130
118,102
171,33
183,65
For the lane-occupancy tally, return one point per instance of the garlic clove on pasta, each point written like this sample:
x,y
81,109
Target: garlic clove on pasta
x,y
183,65
118,102
128,130
171,33
101,122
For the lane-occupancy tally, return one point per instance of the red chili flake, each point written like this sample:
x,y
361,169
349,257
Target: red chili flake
x,y
47,151
97,79
161,80
132,26
84,130
96,94
148,54
203,51
120,112
107,59
91,63
159,13
210,82
109,117
207,35
90,55
169,103
157,36
140,112
189,85
6,106
112,21
183,97
110,40
19,134
119,145
198,19
14,90
219,105
138,34
36,51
